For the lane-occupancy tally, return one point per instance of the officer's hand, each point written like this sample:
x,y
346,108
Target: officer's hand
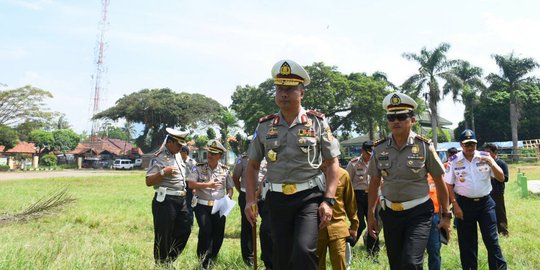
x,y
458,213
353,233
445,224
325,213
215,184
251,210
373,226
168,171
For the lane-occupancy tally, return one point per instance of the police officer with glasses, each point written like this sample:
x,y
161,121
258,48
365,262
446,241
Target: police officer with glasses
x,y
402,161
468,178
172,219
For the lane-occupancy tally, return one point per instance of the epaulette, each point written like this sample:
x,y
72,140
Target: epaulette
x,y
379,141
354,159
452,158
422,138
158,152
266,118
484,153
317,114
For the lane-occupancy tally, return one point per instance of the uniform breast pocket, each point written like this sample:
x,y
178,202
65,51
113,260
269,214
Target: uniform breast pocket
x,y
484,170
415,165
306,143
384,164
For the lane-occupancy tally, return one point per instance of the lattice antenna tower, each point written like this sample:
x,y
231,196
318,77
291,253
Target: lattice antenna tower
x,y
97,87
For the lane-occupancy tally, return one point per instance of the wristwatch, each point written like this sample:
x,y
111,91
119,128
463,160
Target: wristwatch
x,y
162,172
330,201
447,215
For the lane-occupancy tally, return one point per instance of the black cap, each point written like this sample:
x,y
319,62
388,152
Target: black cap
x,y
367,145
452,151
185,148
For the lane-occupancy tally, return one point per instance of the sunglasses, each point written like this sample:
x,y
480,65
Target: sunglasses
x,y
399,117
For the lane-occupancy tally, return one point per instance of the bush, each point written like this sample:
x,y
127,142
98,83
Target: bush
x,y
49,160
4,168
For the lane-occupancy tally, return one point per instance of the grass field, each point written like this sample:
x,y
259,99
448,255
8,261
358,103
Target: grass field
x,y
110,227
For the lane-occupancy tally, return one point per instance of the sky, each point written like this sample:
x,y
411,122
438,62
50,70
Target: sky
x,y
211,47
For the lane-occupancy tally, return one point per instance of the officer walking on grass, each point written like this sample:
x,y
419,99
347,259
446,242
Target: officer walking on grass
x,y
294,142
468,178
172,220
403,161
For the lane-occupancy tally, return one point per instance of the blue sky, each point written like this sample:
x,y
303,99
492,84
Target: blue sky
x,y
210,47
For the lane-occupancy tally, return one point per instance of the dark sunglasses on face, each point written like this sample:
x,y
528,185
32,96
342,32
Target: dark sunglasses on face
x,y
399,117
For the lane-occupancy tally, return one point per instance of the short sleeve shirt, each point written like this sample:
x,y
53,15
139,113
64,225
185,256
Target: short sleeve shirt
x,y
471,179
289,149
357,170
165,158
203,173
404,170
240,170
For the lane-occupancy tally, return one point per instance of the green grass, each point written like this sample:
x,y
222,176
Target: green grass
x,y
110,227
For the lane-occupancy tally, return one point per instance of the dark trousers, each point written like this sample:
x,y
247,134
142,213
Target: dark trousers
x,y
265,235
295,229
434,244
481,211
406,234
372,244
500,212
246,239
171,228
211,232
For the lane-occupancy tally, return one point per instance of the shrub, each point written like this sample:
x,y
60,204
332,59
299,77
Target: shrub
x,y
49,160
4,168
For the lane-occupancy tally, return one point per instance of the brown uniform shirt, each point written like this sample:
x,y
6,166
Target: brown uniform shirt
x,y
345,208
404,170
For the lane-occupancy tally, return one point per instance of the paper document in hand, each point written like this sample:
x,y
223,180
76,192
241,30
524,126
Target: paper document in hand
x,y
223,205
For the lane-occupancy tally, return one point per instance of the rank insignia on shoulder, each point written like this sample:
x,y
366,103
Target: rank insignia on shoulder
x,y
452,158
266,118
317,114
422,138
379,141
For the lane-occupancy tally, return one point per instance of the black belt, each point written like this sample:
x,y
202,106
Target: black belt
x,y
461,197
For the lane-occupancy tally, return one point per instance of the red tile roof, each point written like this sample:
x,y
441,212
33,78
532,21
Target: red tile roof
x,y
99,145
21,147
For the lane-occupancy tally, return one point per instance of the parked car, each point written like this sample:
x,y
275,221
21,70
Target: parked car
x,y
122,164
138,163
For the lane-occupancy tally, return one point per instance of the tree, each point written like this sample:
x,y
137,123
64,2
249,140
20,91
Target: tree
x,y
472,85
251,103
226,121
8,137
433,65
62,123
513,80
211,133
41,138
158,109
23,104
129,130
65,140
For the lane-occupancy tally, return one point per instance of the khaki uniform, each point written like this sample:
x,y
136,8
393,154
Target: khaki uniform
x,y
203,173
333,236
287,148
175,181
405,170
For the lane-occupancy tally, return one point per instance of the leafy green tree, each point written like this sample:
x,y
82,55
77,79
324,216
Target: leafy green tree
x,y
62,122
25,128
8,137
129,130
513,80
117,133
433,65
211,133
49,160
158,109
65,140
201,141
251,103
472,86
41,138
23,104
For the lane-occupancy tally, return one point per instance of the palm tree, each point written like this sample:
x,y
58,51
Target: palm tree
x,y
512,80
129,129
226,121
433,65
472,84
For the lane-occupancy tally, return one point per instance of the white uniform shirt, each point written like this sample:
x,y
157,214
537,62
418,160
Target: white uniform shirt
x,y
472,179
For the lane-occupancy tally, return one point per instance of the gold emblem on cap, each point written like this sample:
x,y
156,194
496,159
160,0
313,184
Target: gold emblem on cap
x,y
395,100
468,134
285,69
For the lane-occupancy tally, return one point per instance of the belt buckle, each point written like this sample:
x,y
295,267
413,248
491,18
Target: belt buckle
x,y
396,206
288,189
211,203
476,199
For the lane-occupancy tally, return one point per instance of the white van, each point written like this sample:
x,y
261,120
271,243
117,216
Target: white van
x,y
122,164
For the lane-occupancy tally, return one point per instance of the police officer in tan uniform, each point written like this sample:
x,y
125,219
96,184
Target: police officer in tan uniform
x,y
172,220
294,142
357,169
212,181
403,160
